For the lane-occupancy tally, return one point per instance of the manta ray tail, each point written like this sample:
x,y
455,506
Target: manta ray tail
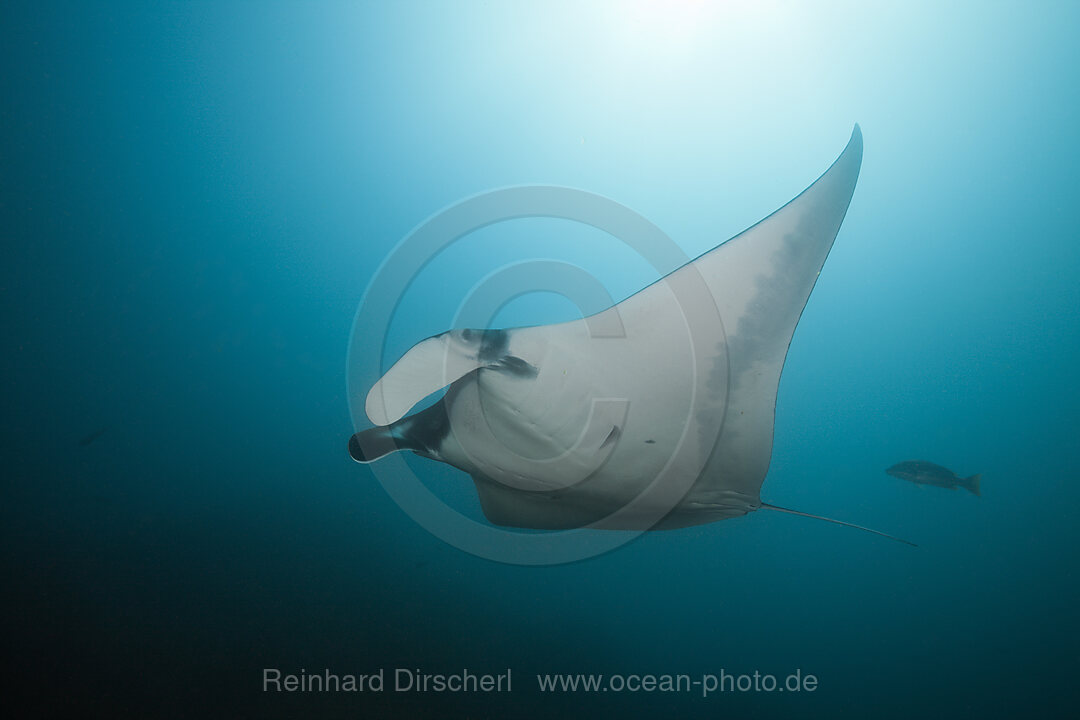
x,y
838,522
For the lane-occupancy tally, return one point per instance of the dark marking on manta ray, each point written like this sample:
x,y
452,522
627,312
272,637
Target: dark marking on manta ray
x,y
516,366
611,437
493,344
650,442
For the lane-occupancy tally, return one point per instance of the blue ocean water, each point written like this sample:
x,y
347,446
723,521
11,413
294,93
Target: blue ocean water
x,y
195,196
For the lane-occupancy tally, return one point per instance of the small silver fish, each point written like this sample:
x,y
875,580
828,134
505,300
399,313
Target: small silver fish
x,y
922,472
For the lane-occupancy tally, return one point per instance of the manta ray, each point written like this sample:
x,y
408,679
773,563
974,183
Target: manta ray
x,y
656,413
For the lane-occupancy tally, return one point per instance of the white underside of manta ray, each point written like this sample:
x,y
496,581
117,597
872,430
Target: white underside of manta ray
x,y
656,413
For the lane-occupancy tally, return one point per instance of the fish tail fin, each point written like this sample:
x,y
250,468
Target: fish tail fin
x,y
972,484
837,522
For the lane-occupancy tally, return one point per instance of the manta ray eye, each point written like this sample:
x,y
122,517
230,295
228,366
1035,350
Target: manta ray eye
x,y
466,335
